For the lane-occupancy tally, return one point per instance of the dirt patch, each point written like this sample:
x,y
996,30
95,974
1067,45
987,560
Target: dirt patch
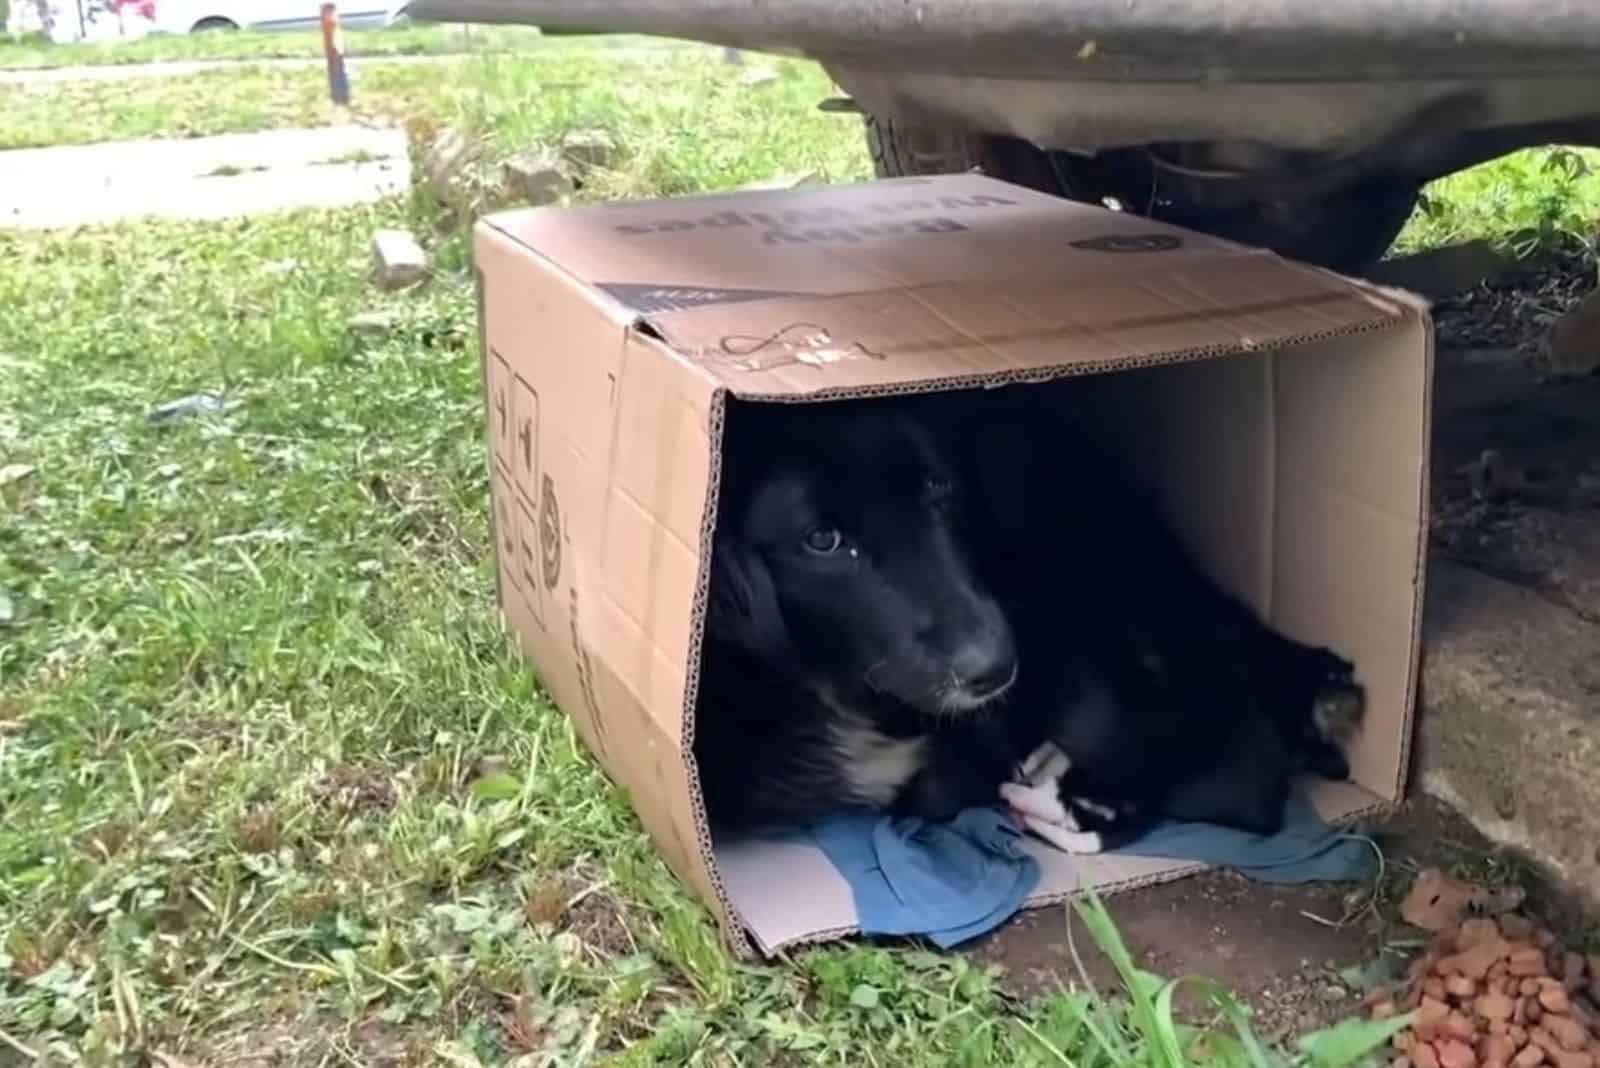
x,y
1256,939
1516,310
355,790
1303,956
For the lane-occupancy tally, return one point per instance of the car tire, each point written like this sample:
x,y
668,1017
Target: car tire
x,y
1347,229
213,23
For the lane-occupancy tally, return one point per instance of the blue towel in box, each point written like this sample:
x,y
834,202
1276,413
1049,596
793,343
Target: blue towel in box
x,y
952,882
948,881
1306,850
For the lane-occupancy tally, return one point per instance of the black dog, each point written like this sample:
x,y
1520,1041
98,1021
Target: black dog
x,y
846,629
1167,697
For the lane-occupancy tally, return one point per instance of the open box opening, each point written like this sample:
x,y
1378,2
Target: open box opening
x,y
1276,415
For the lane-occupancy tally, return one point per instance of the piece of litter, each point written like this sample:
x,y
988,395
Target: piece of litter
x,y
8,609
756,77
192,405
373,324
15,473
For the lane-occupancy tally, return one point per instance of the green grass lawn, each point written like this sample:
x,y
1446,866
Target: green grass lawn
x,y
271,776
35,53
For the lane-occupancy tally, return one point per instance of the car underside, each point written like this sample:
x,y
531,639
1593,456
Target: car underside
x,y
1305,127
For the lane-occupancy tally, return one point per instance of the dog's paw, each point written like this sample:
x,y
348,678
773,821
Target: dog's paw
x,y
1045,766
1068,841
1042,803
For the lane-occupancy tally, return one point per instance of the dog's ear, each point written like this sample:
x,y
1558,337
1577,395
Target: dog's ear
x,y
744,609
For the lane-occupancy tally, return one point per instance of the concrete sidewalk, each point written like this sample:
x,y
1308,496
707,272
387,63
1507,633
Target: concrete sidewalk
x,y
201,178
122,72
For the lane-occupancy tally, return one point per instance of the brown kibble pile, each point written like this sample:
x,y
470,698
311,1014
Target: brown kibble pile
x,y
1497,994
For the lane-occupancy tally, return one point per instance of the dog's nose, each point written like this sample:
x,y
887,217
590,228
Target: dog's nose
x,y
985,667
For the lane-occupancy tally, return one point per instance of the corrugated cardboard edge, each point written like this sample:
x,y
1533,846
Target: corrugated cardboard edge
x,y
1401,306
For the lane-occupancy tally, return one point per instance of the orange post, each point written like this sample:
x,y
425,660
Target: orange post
x,y
333,49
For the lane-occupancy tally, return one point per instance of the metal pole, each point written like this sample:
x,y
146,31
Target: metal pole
x,y
333,49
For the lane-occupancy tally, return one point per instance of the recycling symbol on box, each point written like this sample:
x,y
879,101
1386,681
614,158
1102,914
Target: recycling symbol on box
x,y
549,533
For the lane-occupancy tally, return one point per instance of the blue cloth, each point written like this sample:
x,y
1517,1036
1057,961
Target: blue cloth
x,y
1306,850
950,882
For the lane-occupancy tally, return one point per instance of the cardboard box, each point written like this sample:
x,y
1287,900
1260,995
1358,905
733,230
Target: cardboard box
x,y
1280,414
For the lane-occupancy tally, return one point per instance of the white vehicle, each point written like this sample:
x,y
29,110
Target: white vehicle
x,y
193,16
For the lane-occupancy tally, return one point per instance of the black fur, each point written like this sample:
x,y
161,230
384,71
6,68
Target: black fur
x,y
1170,697
845,625
986,538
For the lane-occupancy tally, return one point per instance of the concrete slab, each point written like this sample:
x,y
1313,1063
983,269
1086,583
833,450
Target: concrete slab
x,y
201,178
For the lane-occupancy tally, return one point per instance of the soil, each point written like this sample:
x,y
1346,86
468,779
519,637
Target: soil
x,y
1303,956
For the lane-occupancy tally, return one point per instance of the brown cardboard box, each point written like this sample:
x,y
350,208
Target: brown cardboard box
x,y
1279,413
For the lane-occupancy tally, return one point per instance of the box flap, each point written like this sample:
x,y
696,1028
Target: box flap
x,y
929,281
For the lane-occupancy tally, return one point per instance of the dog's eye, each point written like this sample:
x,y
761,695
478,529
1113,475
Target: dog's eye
x,y
824,541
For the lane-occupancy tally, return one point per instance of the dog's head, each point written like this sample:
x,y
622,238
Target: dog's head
x,y
837,554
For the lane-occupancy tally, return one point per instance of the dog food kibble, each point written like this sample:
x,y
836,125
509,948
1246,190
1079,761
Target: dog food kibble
x,y
1496,994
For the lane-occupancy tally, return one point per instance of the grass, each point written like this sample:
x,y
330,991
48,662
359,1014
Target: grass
x,y
417,39
1525,202
272,777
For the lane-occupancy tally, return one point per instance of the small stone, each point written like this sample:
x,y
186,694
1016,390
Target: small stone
x,y
1383,1010
1458,1026
1528,988
1569,1033
1532,1011
1475,963
1572,1059
1500,1027
538,179
1475,931
1433,987
588,149
1519,1035
1574,349
1456,1054
1430,1014
1495,1006
1555,1000
1496,1048
1529,1056
1526,962
1424,1055
401,260
1459,986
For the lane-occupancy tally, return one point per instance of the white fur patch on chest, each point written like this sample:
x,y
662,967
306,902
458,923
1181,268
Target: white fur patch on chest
x,y
876,765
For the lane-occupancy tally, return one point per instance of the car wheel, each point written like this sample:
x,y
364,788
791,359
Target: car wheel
x,y
1346,229
215,22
